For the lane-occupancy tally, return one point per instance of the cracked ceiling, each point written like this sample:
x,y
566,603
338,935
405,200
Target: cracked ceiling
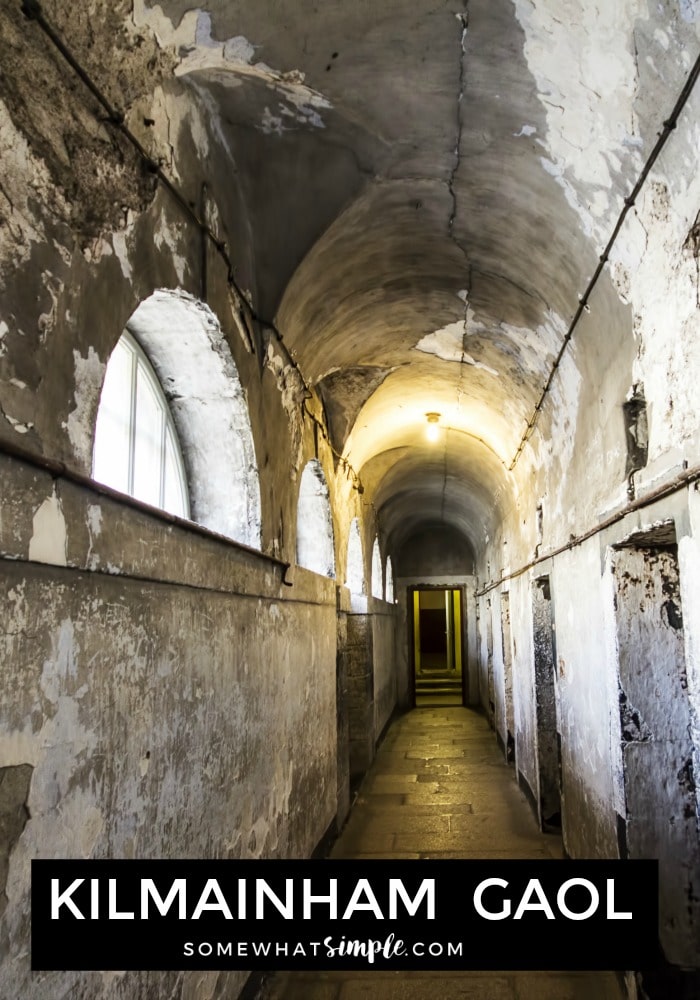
x,y
440,174
427,188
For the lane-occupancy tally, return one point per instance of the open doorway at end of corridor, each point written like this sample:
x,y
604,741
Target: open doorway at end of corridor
x,y
437,644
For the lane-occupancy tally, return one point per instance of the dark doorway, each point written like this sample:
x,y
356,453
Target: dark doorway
x,y
507,646
437,633
433,639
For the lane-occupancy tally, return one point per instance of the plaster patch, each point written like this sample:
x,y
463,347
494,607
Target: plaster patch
x,y
95,251
89,375
274,124
63,252
232,58
662,285
94,526
94,520
557,172
17,425
47,320
292,392
48,541
152,17
200,134
537,351
239,49
163,235
448,344
121,252
525,130
582,59
271,124
165,121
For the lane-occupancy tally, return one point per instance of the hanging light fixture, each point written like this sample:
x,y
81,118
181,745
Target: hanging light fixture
x,y
433,430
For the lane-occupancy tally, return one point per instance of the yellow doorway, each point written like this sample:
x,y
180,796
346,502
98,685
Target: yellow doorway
x,y
437,646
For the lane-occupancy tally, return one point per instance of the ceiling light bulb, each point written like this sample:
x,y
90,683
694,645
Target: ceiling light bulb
x,y
433,430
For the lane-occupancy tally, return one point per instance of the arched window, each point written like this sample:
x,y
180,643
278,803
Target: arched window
x,y
389,581
314,522
192,362
377,589
136,446
355,576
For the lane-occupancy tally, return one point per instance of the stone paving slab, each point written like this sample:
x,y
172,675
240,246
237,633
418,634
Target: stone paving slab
x,y
382,797
376,805
393,782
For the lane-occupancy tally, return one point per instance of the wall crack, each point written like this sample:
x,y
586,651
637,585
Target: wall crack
x,y
463,19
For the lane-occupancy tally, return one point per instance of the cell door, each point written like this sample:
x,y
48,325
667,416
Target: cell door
x,y
661,819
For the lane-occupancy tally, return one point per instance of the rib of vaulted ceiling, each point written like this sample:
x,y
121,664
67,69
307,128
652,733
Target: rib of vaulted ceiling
x,y
429,186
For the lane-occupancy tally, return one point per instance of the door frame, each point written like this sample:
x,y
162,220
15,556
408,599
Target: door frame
x,y
461,590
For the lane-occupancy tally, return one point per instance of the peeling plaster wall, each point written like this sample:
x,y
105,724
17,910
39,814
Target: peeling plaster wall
x,y
158,674
587,691
642,328
660,812
67,303
584,692
143,705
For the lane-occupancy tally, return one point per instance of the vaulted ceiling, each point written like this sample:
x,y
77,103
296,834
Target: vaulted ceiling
x,y
428,187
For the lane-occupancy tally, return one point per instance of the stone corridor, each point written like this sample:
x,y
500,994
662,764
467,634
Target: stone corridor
x,y
349,361
439,788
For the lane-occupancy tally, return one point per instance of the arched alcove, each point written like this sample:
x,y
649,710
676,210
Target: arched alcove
x,y
315,549
189,353
355,572
376,580
389,581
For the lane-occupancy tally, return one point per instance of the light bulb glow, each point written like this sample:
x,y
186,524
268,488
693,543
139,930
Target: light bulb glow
x,y
432,431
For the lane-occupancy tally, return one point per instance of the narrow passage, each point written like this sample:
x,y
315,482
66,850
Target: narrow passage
x,y
440,788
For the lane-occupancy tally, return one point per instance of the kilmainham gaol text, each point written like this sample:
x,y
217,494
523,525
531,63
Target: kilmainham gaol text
x,y
330,898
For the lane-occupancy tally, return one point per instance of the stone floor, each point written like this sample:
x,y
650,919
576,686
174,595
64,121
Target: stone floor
x,y
439,788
